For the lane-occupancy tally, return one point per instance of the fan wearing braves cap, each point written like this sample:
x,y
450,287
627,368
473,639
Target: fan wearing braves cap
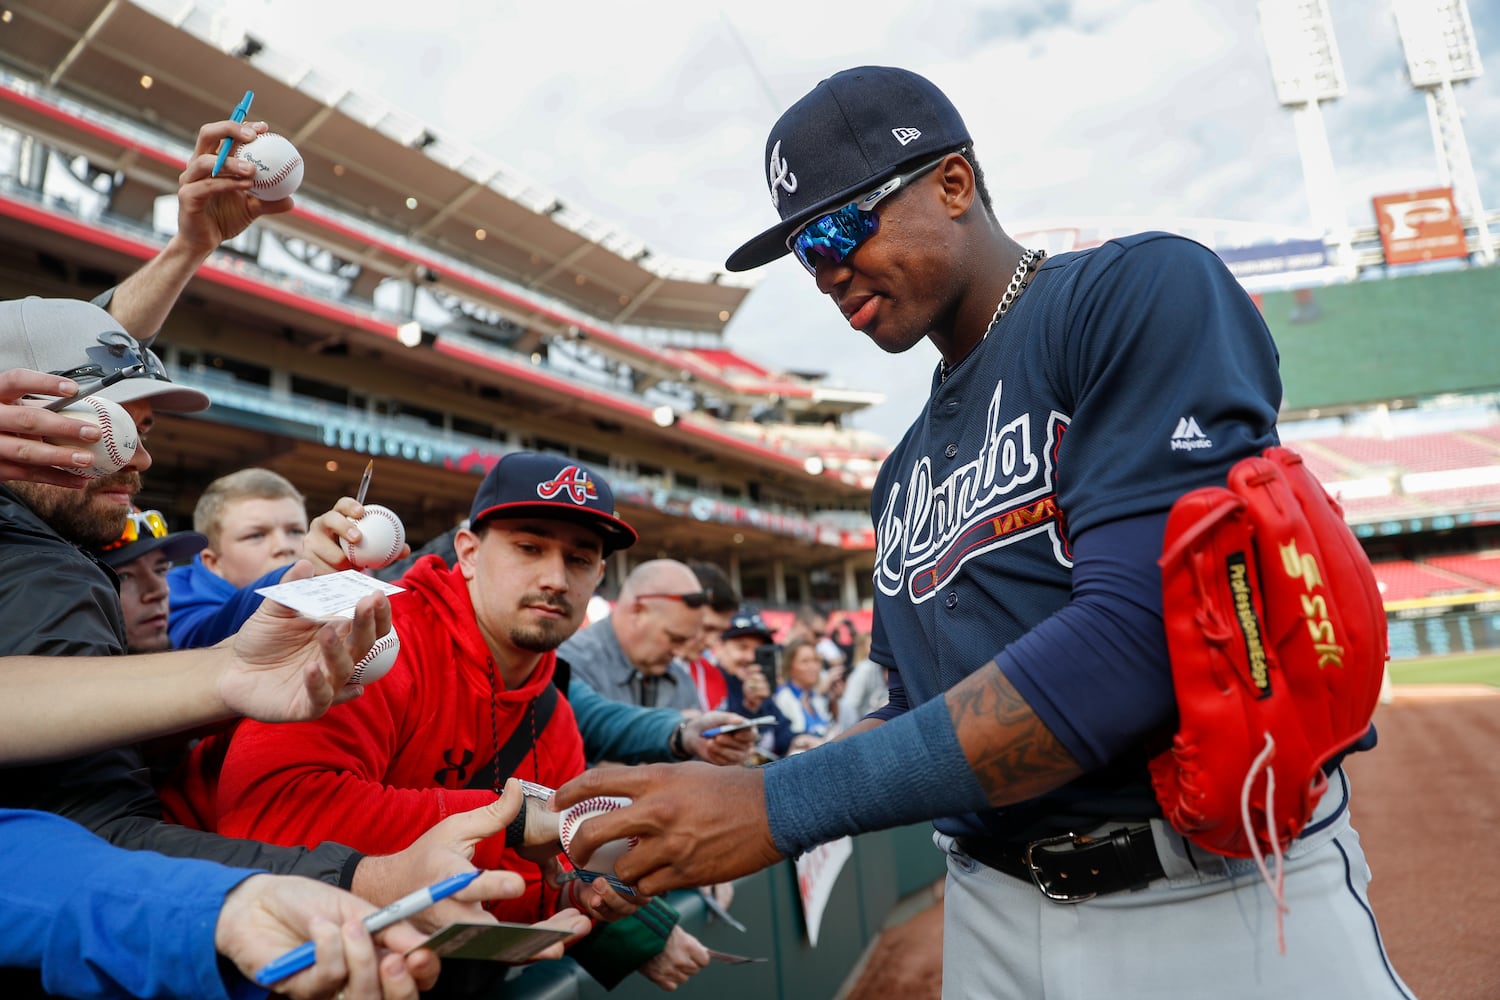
x,y
470,702
1018,601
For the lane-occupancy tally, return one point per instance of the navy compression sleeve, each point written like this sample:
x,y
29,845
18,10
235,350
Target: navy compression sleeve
x,y
904,771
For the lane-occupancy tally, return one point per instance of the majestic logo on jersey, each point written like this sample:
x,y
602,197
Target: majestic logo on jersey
x,y
780,175
929,529
572,482
1189,436
906,135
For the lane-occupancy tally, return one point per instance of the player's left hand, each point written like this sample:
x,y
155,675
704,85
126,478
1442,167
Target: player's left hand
x,y
724,749
599,900
697,824
682,958
213,209
284,667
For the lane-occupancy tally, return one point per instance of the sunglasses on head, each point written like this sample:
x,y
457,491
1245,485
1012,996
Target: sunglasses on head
x,y
696,599
118,356
140,524
836,235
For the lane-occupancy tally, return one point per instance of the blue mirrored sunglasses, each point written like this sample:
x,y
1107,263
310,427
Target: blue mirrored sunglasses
x,y
841,232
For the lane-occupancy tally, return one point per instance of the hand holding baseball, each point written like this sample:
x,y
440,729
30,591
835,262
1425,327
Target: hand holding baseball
x,y
37,444
336,539
695,824
285,667
118,437
213,209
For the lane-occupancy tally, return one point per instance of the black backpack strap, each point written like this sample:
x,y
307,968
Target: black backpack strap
x,y
503,765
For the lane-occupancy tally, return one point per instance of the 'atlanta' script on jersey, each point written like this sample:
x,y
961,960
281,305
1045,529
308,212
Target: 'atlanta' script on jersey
x,y
928,529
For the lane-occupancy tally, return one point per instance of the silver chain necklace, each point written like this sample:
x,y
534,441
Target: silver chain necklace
x,y
1018,282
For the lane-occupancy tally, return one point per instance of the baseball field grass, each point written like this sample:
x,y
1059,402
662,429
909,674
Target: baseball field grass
x,y
1467,668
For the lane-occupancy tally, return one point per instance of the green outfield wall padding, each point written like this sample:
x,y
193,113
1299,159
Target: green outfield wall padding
x,y
1403,337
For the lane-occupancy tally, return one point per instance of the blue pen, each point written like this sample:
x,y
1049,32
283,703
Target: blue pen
x,y
303,956
240,111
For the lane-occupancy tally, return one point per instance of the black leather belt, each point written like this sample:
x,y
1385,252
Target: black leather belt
x,y
1070,869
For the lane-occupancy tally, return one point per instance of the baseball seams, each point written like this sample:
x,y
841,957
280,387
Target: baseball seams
x,y
117,442
273,179
278,165
604,857
378,661
107,435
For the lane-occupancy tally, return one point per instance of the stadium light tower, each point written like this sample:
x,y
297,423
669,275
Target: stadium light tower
x,y
1438,39
1306,70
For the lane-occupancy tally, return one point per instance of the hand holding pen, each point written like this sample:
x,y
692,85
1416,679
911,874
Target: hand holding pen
x,y
238,115
304,956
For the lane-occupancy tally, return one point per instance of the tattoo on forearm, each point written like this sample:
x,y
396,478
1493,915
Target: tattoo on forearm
x,y
1013,754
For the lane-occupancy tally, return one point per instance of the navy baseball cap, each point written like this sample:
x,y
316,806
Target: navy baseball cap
x,y
854,131
146,532
747,622
532,484
80,341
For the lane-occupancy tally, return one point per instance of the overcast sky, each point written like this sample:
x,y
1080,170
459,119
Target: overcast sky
x,y
653,117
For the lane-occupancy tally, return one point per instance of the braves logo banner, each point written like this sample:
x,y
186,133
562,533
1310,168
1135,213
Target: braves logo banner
x,y
572,483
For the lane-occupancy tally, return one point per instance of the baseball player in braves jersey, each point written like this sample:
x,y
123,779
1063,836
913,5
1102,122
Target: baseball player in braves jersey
x,y
1017,596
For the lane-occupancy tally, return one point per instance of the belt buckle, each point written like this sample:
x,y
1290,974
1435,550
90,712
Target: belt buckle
x,y
1036,871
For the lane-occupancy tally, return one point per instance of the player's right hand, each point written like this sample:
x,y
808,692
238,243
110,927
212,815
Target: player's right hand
x,y
687,836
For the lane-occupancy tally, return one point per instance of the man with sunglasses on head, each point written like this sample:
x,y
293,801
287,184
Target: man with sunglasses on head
x,y
1018,600
141,557
636,654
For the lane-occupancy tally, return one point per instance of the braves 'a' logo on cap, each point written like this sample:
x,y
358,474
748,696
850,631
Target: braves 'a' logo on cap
x,y
780,175
573,482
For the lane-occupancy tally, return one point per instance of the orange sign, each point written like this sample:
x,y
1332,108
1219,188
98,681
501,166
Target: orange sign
x,y
1420,225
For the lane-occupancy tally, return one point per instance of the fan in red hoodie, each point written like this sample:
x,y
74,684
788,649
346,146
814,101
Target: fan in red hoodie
x,y
470,700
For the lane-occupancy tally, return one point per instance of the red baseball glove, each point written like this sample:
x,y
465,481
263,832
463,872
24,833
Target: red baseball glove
x,y
1278,643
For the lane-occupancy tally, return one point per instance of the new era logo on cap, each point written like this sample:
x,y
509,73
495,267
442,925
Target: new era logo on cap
x,y
533,484
835,145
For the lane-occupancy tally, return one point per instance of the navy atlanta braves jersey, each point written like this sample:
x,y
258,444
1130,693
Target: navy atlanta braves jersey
x,y
1125,376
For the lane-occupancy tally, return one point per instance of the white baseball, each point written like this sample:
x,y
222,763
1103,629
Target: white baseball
x,y
381,657
606,856
381,535
118,438
278,165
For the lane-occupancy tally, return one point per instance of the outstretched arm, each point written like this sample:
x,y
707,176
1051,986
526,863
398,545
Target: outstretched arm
x,y
279,667
210,210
